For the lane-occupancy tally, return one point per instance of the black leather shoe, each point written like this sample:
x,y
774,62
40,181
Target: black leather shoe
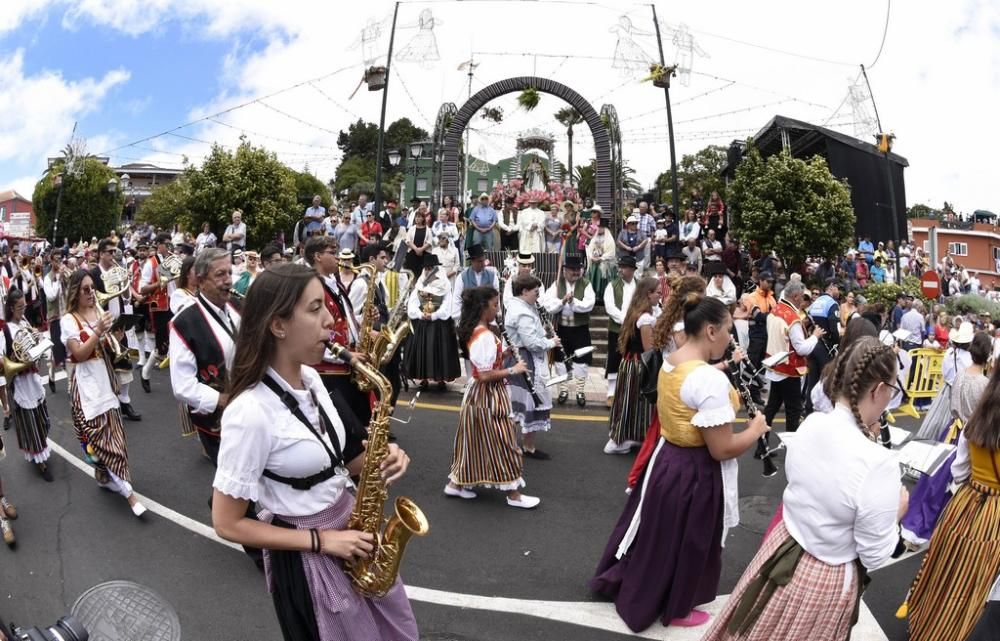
x,y
6,423
581,399
52,384
563,396
129,412
44,470
145,384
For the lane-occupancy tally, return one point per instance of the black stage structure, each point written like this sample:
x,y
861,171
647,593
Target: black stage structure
x,y
857,161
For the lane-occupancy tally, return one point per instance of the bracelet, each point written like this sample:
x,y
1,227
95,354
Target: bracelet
x,y
314,545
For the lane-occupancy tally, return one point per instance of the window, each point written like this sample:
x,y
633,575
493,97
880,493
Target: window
x,y
927,246
958,249
482,185
422,186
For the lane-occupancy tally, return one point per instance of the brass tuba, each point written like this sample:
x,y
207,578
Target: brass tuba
x,y
116,283
170,268
375,575
27,348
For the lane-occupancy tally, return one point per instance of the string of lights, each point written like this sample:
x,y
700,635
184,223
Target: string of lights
x,y
413,100
270,137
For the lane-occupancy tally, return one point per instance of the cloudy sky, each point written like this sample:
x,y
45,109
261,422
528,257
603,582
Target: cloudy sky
x,y
283,74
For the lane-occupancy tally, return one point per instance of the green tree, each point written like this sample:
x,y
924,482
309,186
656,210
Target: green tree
x,y
252,180
794,207
88,208
307,186
919,211
701,170
359,144
169,205
359,141
569,117
585,180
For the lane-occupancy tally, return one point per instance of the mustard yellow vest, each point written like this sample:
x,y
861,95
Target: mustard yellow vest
x,y
675,415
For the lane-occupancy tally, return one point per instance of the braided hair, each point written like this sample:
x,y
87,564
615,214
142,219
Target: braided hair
x,y
673,308
866,363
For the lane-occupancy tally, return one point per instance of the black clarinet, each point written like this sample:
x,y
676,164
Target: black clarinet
x,y
529,378
557,352
770,467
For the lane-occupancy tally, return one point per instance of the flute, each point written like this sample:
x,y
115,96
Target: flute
x,y
770,468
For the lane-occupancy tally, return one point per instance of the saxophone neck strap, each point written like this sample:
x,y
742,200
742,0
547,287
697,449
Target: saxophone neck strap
x,y
326,425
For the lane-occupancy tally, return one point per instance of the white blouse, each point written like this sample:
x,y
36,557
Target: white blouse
x,y
28,390
258,433
843,491
483,352
97,396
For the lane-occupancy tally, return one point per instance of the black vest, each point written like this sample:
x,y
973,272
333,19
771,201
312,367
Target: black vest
x,y
196,330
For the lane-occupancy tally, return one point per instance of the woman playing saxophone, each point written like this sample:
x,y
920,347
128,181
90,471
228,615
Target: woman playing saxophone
x,y
280,428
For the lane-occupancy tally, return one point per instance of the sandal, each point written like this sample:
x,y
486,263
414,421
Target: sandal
x,y
8,508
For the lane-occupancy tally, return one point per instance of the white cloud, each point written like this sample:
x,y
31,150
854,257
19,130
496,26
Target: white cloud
x,y
39,119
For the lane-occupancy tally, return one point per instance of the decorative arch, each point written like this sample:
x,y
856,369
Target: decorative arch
x,y
451,169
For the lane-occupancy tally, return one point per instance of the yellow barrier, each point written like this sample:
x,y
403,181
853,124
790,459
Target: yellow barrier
x,y
925,378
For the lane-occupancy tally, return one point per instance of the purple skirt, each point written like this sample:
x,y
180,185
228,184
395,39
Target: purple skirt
x,y
927,500
675,560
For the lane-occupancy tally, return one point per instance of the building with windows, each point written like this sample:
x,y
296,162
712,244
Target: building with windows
x,y
137,182
17,216
974,245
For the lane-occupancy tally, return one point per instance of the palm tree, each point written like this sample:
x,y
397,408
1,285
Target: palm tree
x,y
585,180
567,117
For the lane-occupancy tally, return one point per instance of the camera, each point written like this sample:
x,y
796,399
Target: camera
x,y
67,628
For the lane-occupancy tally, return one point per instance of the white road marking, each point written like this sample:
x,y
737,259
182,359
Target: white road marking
x,y
590,614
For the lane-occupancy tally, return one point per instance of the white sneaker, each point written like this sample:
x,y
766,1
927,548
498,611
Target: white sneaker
x,y
460,492
138,509
613,448
526,502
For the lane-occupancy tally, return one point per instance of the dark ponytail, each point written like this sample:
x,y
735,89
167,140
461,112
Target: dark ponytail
x,y
700,310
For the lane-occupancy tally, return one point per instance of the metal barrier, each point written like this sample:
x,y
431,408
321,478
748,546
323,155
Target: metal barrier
x,y
925,378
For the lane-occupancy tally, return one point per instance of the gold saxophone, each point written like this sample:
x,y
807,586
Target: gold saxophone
x,y
396,328
369,316
375,575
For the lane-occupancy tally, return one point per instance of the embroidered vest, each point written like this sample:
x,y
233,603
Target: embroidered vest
x,y
341,333
579,318
498,361
468,278
675,415
779,323
193,326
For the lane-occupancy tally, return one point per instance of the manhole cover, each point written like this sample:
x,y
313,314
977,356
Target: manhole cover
x,y
126,611
756,512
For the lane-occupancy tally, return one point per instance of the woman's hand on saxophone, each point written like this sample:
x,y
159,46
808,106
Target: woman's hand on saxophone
x,y
346,544
394,465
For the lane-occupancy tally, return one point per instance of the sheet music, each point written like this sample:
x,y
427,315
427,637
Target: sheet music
x,y
925,457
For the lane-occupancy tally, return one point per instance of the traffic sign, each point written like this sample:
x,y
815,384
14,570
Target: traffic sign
x,y
930,284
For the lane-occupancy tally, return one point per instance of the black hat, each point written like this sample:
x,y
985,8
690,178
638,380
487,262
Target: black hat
x,y
713,267
163,238
674,254
185,248
142,244
431,260
476,251
573,261
525,259
627,261
415,200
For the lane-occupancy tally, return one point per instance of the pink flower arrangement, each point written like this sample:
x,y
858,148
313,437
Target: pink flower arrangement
x,y
554,196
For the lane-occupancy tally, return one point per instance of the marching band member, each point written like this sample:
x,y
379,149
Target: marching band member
x,y
187,287
352,404
527,335
354,287
806,580
159,306
143,339
672,562
432,353
617,298
25,393
486,452
121,364
570,300
377,255
95,407
205,332
278,428
825,313
477,274
962,563
630,412
525,265
54,284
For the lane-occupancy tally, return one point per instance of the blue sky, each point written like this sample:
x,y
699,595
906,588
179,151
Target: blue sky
x,y
129,69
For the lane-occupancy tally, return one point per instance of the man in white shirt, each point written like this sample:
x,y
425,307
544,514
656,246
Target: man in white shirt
x,y
913,322
570,300
314,215
55,286
507,222
530,222
974,284
236,234
617,298
116,306
358,215
355,288
477,274
525,265
785,334
711,249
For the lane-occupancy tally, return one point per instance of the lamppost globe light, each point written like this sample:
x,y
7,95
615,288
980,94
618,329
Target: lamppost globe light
x,y
112,185
394,157
416,150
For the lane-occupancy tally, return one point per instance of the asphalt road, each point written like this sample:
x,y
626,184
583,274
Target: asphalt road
x,y
484,572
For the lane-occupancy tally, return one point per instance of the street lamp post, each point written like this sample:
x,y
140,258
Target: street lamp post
x,y
416,150
668,73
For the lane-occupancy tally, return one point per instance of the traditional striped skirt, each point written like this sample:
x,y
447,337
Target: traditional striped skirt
x,y
630,413
531,416
102,439
813,605
32,427
486,451
961,564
